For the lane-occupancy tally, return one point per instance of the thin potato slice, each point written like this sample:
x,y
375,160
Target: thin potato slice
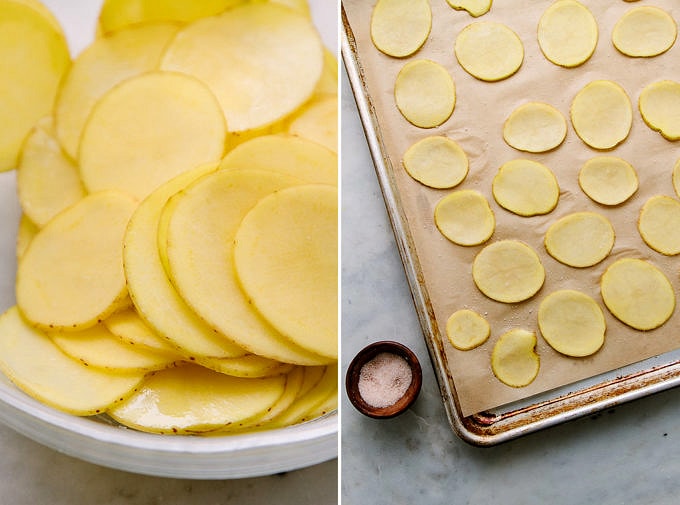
x,y
572,323
644,32
535,127
27,230
465,218
514,360
192,399
508,271
400,27
30,359
71,275
601,114
567,33
285,256
294,380
261,60
328,82
466,329
425,93
475,8
130,328
248,366
526,188
581,239
149,129
489,51
658,224
33,58
608,180
437,162
637,293
659,105
318,121
676,177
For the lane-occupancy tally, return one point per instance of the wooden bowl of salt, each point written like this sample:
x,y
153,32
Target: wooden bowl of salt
x,y
384,379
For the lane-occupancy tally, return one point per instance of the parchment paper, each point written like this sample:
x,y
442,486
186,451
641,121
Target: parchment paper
x,y
476,124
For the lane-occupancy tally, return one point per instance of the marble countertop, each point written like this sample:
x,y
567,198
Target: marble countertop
x,y
627,455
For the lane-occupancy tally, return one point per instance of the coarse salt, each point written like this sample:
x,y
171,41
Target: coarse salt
x,y
383,380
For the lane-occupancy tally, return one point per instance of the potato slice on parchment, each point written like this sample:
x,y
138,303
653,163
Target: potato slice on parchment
x,y
465,217
567,33
400,27
466,329
644,32
514,360
437,162
608,180
475,8
535,127
580,239
659,105
489,51
526,188
658,224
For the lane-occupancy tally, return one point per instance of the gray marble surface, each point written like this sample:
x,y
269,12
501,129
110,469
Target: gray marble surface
x,y
624,456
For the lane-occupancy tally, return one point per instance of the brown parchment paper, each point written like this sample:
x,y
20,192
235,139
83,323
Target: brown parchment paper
x,y
476,124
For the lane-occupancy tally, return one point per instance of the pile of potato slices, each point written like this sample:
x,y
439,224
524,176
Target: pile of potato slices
x,y
177,251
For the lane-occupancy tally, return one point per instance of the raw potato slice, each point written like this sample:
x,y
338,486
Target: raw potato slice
x,y
47,181
676,177
130,328
328,82
400,27
285,256
508,271
294,380
489,51
465,218
514,360
71,276
659,105
572,323
27,230
318,121
535,128
580,240
526,188
437,162
102,65
425,93
191,399
608,180
248,366
149,129
637,293
466,329
233,52
28,84
32,362
567,33
644,32
601,114
475,8
658,224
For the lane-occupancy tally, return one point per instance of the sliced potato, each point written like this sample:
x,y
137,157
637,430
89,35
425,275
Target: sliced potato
x,y
32,362
318,121
437,162
328,82
466,329
637,293
580,239
400,27
676,177
489,51
644,31
535,127
659,105
658,224
425,109
572,323
526,188
248,366
567,33
465,217
130,328
514,360
27,230
608,180
475,8
71,275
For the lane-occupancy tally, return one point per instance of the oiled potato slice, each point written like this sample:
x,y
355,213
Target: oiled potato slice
x,y
608,180
466,329
30,359
103,64
248,366
637,293
659,105
572,323
644,31
149,129
489,51
193,399
601,114
130,328
318,121
475,8
581,239
400,27
261,60
567,33
285,256
71,275
535,127
47,181
658,224
437,162
33,58
328,82
508,271
676,177
514,360
425,93
27,230
526,188
465,218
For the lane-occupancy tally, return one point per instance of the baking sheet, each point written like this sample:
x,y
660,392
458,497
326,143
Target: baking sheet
x,y
476,125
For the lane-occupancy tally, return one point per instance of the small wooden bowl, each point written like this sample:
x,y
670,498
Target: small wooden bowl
x,y
367,354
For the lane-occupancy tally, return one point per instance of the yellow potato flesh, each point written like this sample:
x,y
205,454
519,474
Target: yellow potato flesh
x,y
567,33
526,188
659,105
30,359
425,93
400,27
572,323
489,51
130,328
84,242
466,329
27,230
475,8
535,127
658,224
514,360
608,180
318,121
328,82
33,58
248,366
465,218
285,255
437,162
581,239
644,32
